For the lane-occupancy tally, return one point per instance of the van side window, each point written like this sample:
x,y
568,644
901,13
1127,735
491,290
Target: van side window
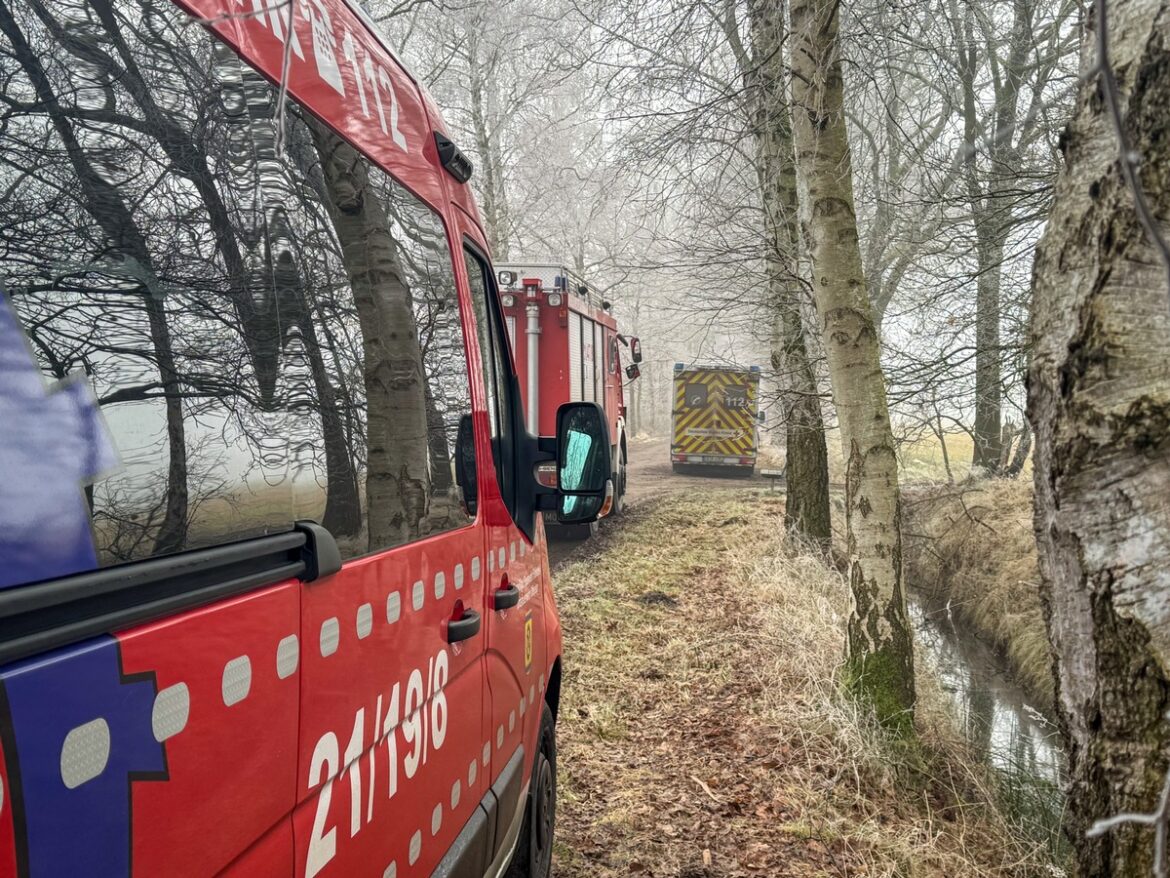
x,y
497,367
213,322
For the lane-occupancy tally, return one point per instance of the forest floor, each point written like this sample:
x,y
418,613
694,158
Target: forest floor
x,y
701,730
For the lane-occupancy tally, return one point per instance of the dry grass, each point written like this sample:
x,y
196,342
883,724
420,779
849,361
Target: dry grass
x,y
972,547
702,734
920,459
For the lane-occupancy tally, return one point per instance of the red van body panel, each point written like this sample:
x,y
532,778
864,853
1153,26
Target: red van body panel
x,y
303,728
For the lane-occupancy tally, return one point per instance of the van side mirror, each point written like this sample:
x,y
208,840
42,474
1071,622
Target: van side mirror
x,y
584,488
636,349
632,371
465,465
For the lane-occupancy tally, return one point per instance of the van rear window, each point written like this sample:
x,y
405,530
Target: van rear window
x,y
216,318
695,396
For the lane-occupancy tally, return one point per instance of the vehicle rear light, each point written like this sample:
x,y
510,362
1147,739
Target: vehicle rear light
x,y
679,457
546,475
554,299
745,461
508,300
607,505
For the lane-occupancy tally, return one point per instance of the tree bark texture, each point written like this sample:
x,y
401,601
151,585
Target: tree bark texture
x,y
397,475
1099,402
491,191
807,469
880,662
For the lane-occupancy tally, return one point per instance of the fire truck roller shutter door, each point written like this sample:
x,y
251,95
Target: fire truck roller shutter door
x,y
598,364
575,357
587,370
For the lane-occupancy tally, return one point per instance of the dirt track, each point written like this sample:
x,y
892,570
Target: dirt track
x,y
650,476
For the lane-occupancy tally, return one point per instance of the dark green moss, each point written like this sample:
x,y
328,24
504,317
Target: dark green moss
x,y
881,681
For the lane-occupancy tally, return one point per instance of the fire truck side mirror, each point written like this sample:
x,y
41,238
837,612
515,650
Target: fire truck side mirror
x,y
636,350
583,463
632,371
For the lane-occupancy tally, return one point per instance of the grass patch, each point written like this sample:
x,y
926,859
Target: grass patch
x,y
703,731
921,456
972,548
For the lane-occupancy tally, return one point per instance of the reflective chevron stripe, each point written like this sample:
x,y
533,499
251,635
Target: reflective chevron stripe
x,y
707,423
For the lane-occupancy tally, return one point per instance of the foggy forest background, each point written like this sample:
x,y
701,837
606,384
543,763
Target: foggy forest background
x,y
616,138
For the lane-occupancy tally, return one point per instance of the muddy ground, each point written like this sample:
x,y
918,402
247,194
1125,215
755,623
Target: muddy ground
x,y
700,735
650,477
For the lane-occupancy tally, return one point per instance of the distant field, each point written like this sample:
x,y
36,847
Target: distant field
x,y
920,459
923,458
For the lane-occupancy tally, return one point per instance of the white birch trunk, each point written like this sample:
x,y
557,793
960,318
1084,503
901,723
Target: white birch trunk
x,y
1099,402
880,664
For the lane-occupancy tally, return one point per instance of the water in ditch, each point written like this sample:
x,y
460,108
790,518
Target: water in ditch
x,y
1013,736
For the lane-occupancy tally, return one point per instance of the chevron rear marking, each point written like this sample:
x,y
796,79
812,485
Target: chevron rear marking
x,y
715,415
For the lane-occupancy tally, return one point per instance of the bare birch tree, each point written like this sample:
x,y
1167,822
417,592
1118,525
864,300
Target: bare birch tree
x,y
880,662
397,479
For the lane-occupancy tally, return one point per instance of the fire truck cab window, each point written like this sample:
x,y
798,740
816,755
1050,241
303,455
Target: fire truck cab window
x,y
695,396
205,336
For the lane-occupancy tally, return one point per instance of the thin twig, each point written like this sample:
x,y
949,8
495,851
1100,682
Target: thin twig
x,y
1157,819
285,64
1130,158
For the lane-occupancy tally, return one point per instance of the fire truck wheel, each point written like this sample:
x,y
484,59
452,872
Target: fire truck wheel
x,y
533,857
619,488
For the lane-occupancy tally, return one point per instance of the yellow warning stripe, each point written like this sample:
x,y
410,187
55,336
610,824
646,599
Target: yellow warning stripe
x,y
714,416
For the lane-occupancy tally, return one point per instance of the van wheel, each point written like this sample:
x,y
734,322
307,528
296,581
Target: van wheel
x,y
533,857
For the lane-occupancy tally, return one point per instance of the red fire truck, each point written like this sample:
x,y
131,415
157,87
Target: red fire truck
x,y
567,348
274,590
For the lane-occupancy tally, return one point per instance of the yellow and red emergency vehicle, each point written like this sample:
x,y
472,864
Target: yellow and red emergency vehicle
x,y
715,417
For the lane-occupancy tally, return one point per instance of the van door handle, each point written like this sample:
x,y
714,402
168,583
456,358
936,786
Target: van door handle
x,y
506,597
463,628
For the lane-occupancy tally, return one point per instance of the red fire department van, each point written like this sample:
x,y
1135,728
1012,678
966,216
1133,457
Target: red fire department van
x,y
274,595
567,347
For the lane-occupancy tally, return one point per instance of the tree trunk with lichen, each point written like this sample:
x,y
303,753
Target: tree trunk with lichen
x,y
880,661
397,480
806,511
1099,402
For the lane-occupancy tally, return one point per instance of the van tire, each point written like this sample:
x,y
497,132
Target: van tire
x,y
533,857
